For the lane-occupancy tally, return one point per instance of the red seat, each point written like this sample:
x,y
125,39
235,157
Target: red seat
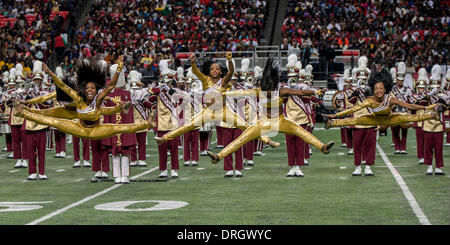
x,y
183,55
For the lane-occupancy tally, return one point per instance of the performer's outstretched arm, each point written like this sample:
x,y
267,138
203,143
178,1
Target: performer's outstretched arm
x,y
412,106
227,78
64,87
197,72
111,85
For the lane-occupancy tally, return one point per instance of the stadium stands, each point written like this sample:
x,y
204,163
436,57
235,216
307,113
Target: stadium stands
x,y
412,31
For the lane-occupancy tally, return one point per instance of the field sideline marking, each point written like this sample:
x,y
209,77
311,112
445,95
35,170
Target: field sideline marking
x,y
409,196
59,211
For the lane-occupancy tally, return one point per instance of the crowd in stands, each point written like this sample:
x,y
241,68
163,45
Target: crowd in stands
x,y
147,31
28,30
415,32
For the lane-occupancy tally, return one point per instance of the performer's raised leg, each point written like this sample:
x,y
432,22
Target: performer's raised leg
x,y
289,127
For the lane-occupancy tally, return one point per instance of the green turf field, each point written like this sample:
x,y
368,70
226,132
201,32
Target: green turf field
x,y
328,194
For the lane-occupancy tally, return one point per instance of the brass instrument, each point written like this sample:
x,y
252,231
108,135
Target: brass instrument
x,y
249,81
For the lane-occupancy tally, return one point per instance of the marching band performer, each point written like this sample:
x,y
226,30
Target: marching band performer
x,y
446,88
433,130
6,129
124,143
191,105
270,94
36,133
20,146
401,93
296,110
167,120
60,137
205,132
308,78
141,113
251,116
214,85
421,97
347,90
88,100
230,132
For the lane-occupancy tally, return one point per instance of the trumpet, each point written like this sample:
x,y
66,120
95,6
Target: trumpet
x,y
161,82
196,86
249,81
292,81
440,92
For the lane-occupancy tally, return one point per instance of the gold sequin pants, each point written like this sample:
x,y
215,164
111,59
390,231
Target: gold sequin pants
x,y
211,115
75,128
392,119
267,125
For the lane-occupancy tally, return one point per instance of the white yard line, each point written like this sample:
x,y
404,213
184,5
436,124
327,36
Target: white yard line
x,y
409,196
59,211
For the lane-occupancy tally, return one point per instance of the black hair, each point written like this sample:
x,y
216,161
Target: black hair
x,y
60,94
271,75
90,70
383,76
206,67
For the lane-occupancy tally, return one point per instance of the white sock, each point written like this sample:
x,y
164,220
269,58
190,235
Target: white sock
x,y
116,166
125,166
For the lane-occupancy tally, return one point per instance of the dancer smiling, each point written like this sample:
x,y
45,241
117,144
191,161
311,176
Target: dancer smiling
x,y
215,89
87,99
380,106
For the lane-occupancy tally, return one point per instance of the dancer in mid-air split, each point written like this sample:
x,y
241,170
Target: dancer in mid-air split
x,y
271,96
380,105
67,108
87,98
215,87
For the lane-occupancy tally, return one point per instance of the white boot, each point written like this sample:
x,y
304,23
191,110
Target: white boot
x,y
104,175
439,171
24,163
368,171
238,173
229,174
187,163
250,163
350,152
43,177
173,173
134,164
77,164
32,177
421,161
357,171
98,174
163,174
298,171
430,170
306,162
18,163
291,172
58,155
142,163
86,164
62,154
